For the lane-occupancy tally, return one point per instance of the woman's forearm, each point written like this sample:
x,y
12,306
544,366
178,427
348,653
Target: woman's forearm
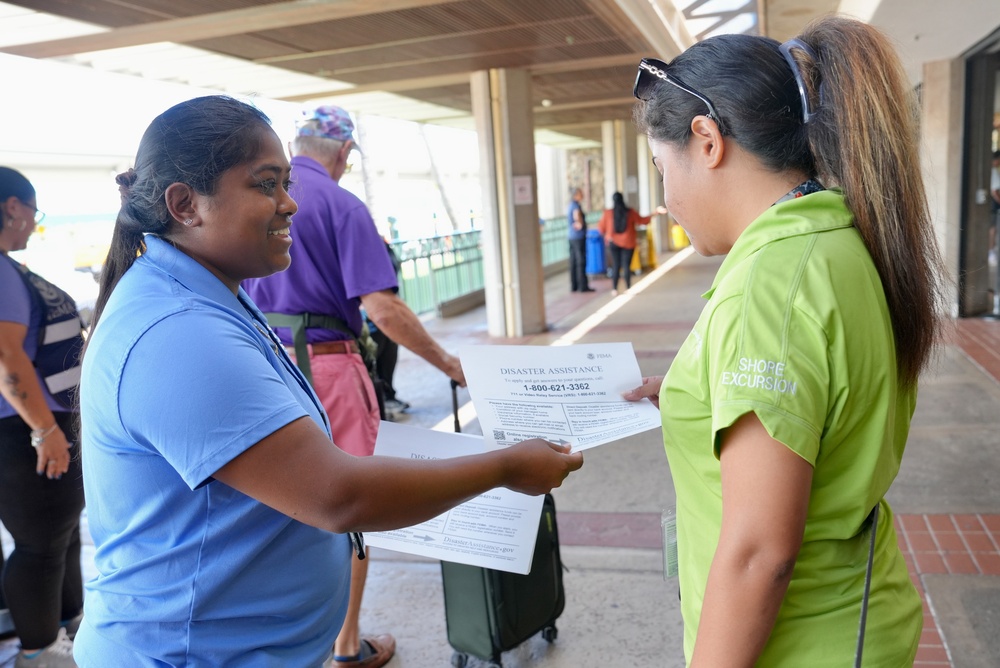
x,y
744,593
19,385
765,499
20,388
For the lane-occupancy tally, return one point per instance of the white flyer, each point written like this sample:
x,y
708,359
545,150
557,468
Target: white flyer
x,y
564,394
497,529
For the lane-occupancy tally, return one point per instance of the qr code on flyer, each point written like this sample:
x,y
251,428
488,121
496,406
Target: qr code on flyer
x,y
499,435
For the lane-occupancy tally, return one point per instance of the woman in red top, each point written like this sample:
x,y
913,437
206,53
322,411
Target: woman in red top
x,y
617,226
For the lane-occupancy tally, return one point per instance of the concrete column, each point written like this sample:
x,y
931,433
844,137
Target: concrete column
x,y
512,248
651,195
941,127
609,161
621,173
628,169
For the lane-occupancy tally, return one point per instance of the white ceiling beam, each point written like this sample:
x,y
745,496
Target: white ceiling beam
x,y
216,24
397,86
661,23
589,104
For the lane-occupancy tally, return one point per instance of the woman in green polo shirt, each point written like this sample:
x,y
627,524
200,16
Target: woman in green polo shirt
x,y
786,411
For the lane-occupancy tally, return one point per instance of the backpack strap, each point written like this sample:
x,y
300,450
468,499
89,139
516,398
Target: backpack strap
x,y
60,337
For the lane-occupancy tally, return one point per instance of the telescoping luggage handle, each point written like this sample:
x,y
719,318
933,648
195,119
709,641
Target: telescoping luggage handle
x,y
454,404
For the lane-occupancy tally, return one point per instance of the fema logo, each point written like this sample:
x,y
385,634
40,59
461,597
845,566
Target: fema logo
x,y
590,356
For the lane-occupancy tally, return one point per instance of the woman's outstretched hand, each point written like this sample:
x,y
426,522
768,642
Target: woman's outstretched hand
x,y
650,389
537,466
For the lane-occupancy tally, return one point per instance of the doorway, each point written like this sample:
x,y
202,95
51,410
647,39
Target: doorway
x,y
980,245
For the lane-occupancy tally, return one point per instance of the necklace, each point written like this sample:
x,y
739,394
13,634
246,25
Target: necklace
x,y
267,334
807,187
264,330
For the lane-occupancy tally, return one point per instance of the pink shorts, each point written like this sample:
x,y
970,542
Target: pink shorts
x,y
346,392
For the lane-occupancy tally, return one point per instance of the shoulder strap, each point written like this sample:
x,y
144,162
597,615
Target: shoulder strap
x,y
868,585
298,324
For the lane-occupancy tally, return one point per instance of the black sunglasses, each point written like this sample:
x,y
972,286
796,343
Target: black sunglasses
x,y
653,71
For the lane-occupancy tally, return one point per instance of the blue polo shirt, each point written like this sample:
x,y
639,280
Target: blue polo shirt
x,y
574,233
177,382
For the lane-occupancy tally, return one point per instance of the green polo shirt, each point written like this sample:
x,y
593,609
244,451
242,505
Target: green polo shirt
x,y
796,330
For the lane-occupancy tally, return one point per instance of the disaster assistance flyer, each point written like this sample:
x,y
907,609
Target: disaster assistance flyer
x,y
564,394
497,529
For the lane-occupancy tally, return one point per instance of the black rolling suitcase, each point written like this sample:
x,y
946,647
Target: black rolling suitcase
x,y
488,612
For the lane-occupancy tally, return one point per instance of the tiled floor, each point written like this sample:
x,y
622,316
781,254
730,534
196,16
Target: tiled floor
x,y
979,339
946,544
953,544
966,544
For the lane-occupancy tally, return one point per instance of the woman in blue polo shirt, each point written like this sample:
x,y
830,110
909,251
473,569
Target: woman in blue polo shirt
x,y
786,411
217,501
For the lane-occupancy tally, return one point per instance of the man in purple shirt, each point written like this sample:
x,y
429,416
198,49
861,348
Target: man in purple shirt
x,y
339,264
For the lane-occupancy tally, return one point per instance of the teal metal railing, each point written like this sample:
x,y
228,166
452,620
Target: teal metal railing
x,y
435,270
554,246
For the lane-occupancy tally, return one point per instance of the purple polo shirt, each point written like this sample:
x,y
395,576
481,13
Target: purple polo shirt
x,y
337,256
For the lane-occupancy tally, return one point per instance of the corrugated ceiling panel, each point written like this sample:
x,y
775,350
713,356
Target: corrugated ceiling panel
x,y
408,67
443,48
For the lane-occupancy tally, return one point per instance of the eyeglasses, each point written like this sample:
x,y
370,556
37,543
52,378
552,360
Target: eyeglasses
x,y
652,71
39,215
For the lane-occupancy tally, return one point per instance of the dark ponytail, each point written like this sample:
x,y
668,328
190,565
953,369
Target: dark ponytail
x,y
194,143
865,139
620,213
126,243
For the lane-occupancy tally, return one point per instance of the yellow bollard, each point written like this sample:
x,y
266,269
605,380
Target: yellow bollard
x,y
636,265
678,238
652,247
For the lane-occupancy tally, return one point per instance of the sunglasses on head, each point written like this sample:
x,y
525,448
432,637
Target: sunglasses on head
x,y
653,71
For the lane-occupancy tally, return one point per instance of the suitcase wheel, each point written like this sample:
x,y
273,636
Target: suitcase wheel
x,y
458,660
550,633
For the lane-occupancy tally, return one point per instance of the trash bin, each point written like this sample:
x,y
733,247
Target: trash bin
x,y
596,263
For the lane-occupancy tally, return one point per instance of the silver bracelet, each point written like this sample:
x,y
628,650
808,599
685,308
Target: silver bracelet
x,y
38,436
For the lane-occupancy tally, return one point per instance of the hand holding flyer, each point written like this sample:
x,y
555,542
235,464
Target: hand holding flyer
x,y
563,394
497,529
